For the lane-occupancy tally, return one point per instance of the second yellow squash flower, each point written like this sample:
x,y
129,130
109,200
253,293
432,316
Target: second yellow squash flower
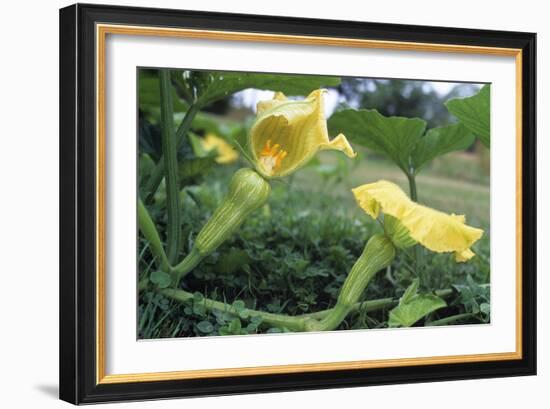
x,y
226,154
435,230
288,133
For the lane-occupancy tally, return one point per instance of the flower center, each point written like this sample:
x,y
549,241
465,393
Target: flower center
x,y
271,157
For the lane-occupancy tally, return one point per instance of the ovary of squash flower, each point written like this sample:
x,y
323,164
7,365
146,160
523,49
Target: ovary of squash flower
x,y
288,133
226,153
435,230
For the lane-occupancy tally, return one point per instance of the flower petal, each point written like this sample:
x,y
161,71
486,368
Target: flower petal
x,y
293,130
340,143
263,106
463,256
435,230
226,153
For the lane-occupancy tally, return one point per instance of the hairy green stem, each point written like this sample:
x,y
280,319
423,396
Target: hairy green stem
x,y
365,306
372,305
412,186
275,320
452,318
147,227
247,192
296,323
377,255
417,251
186,265
158,173
169,150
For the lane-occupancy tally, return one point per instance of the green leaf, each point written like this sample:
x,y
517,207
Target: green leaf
x,y
405,315
161,279
213,85
194,167
412,307
475,113
197,297
439,141
211,123
410,292
235,326
239,305
205,327
395,137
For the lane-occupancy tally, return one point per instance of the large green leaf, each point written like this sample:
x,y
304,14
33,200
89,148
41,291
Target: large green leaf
x,y
395,137
211,86
475,113
412,307
439,141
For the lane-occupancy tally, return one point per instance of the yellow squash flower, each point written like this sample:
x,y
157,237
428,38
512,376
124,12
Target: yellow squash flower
x,y
435,230
226,153
287,134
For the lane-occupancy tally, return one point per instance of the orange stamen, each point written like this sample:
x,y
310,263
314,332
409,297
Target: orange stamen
x,y
272,156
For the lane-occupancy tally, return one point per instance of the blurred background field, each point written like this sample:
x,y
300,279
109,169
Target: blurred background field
x,y
293,255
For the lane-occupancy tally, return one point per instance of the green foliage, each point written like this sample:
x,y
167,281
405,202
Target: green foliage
x,y
149,95
475,113
208,86
407,98
211,123
161,279
203,89
402,140
232,261
291,257
475,299
191,169
145,167
439,141
413,307
395,137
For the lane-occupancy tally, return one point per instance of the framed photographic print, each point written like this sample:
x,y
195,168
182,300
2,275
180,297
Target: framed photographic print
x,y
257,203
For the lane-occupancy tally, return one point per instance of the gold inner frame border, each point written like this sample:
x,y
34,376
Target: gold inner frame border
x,y
102,30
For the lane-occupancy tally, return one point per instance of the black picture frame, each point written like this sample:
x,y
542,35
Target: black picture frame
x,y
78,360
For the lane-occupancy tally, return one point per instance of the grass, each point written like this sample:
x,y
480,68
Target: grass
x,y
293,255
437,186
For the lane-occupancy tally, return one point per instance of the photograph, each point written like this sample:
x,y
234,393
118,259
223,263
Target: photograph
x,y
274,203
255,203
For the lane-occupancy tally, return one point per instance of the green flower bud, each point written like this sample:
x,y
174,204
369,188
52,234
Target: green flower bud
x,y
248,191
378,254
